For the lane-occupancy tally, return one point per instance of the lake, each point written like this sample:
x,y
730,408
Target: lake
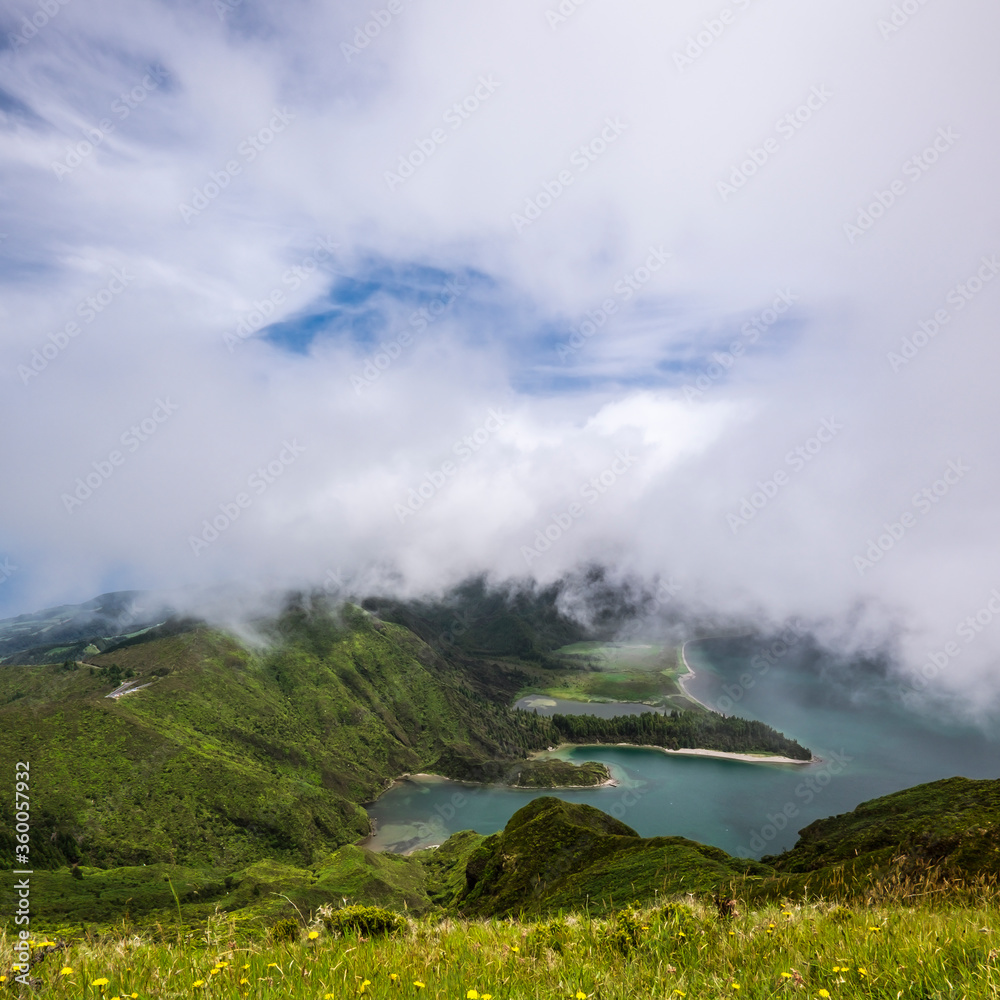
x,y
869,741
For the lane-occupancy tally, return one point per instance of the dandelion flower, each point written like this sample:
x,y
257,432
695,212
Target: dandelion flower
x,y
244,982
214,972
99,982
419,985
313,935
272,965
680,993
824,993
874,928
486,996
198,982
736,986
135,996
327,996
862,972
580,995
471,995
65,971
3,979
393,977
515,948
786,975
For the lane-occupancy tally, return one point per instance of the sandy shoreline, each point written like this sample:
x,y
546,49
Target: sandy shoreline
x,y
690,673
749,758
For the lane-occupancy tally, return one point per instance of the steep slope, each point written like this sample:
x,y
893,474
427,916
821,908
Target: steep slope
x,y
560,855
224,756
952,826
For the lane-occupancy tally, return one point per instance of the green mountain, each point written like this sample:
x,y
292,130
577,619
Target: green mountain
x,y
223,755
947,829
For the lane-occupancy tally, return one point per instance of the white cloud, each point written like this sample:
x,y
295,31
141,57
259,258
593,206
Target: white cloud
x,y
652,180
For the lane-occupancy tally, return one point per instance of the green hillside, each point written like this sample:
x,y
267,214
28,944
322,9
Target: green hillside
x,y
227,755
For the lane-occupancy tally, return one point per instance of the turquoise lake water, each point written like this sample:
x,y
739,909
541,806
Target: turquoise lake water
x,y
869,743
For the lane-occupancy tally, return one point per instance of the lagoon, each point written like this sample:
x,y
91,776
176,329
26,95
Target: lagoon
x,y
870,743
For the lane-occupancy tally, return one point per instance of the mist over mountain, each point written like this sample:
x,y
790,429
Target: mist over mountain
x,y
305,297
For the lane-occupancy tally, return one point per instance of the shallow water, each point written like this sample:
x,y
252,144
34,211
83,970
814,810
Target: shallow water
x,y
870,744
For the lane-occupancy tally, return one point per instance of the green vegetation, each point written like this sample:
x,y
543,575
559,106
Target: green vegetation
x,y
646,673
233,756
704,730
905,950
229,756
555,773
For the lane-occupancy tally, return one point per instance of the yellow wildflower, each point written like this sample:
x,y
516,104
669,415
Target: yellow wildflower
x,y
244,982
214,972
327,996
221,965
65,971
515,948
99,982
736,986
471,995
824,993
198,982
419,985
680,993
313,935
486,996
580,995
272,965
393,977
786,975
862,972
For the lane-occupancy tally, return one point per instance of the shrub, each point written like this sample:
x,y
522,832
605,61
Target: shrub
x,y
552,935
285,930
370,921
623,934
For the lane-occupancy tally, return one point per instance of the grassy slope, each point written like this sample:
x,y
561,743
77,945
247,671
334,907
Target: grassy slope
x,y
230,757
674,951
554,854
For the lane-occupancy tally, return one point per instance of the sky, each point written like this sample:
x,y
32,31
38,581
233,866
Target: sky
x,y
393,293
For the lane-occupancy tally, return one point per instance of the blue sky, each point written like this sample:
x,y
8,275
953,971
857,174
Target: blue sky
x,y
292,290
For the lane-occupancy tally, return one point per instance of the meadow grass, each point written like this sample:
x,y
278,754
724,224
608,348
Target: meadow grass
x,y
936,949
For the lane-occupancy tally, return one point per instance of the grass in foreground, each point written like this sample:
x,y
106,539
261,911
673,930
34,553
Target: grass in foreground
x,y
682,949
